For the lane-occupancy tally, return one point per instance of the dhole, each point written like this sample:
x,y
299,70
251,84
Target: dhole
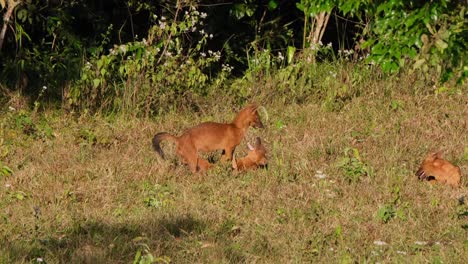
x,y
434,168
256,157
211,136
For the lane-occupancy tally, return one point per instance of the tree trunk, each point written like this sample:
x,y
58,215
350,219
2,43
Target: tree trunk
x,y
6,19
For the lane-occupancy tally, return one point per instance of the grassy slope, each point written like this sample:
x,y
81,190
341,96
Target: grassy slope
x,y
101,194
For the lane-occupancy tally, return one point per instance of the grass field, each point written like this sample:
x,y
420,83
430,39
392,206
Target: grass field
x,y
90,189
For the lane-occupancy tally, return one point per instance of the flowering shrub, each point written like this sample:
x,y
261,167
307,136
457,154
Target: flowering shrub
x,y
151,74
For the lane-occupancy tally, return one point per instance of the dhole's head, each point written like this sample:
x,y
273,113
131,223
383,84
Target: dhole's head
x,y
257,153
256,157
249,117
428,161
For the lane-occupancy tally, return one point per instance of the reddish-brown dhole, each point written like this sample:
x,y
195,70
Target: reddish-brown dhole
x,y
210,136
256,157
435,168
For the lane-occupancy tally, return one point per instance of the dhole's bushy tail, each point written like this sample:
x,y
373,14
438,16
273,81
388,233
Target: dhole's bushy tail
x,y
160,137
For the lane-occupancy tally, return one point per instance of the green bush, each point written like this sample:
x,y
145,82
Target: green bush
x,y
150,75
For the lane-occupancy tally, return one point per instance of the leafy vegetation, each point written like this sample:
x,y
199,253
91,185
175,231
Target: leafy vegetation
x,y
152,56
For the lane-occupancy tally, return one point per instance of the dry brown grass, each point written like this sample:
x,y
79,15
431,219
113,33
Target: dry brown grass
x,y
95,192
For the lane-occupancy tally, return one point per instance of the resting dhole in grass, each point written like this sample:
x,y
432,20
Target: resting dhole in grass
x,y
256,157
210,136
434,168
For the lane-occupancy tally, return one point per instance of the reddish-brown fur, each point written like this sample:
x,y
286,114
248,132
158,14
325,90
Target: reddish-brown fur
x,y
255,158
435,168
211,136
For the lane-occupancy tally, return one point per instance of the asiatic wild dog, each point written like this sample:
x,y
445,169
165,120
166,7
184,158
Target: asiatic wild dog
x,y
435,168
210,136
256,157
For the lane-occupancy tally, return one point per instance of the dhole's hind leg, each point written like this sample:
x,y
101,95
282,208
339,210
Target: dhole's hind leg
x,y
189,154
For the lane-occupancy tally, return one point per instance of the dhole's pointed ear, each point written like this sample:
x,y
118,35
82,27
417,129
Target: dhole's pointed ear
x,y
434,155
250,146
252,107
234,162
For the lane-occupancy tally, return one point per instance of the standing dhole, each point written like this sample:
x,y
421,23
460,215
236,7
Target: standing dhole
x,y
256,157
211,136
434,168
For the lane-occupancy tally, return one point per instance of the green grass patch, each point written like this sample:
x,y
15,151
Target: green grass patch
x,y
340,186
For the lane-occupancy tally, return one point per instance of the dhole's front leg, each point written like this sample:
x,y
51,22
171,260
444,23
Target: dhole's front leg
x,y
203,165
227,154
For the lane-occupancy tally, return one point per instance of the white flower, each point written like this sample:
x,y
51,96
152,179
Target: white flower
x,y
329,45
211,36
7,185
123,48
227,68
203,54
11,108
280,56
319,174
162,25
163,18
380,243
420,243
40,260
44,88
202,31
203,15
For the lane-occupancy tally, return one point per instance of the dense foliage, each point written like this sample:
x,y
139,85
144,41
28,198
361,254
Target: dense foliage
x,y
145,55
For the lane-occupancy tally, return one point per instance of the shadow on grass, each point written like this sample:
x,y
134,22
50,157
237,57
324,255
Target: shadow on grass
x,y
96,242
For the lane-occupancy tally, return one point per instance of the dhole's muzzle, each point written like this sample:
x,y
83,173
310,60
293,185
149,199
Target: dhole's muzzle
x,y
258,124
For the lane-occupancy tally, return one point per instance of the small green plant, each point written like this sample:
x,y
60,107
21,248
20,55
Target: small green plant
x,y
353,166
386,212
5,170
19,195
396,105
281,215
30,124
158,196
24,122
392,209
144,256
87,136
